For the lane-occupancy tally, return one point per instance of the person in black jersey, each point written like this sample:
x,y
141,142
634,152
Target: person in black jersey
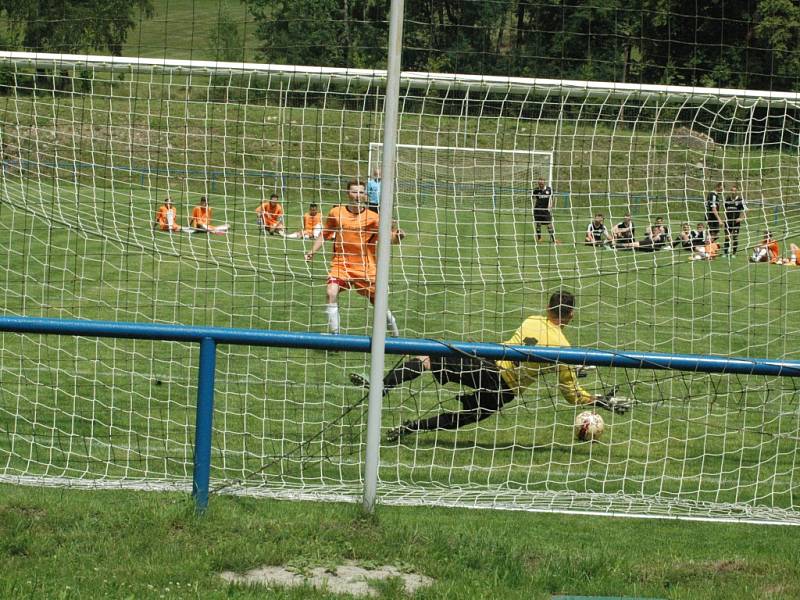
x,y
542,207
624,232
735,214
699,236
713,217
662,241
684,238
596,233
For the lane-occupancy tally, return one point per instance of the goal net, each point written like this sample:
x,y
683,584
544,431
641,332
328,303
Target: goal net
x,y
92,146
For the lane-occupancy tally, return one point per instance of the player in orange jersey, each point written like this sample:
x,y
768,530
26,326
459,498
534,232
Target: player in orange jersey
x,y
270,216
167,217
766,251
312,225
354,231
201,218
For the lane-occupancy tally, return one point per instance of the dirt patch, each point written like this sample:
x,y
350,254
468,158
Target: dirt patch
x,y
349,578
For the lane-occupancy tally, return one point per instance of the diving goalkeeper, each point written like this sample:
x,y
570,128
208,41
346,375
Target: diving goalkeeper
x,y
497,382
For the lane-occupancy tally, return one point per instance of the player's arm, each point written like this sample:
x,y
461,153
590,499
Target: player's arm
x,y
318,242
743,214
569,388
551,201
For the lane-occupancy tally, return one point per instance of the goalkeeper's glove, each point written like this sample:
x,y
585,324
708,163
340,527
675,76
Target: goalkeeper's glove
x,y
610,401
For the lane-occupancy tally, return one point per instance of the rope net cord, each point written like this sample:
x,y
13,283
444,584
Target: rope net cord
x,y
88,157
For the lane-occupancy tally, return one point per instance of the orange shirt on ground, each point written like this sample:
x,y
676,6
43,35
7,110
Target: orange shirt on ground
x,y
774,250
354,239
270,215
167,218
201,217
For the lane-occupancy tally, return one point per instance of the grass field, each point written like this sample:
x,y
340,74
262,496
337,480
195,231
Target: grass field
x,y
116,544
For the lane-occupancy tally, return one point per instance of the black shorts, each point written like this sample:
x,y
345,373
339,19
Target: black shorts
x,y
476,373
483,376
713,223
542,215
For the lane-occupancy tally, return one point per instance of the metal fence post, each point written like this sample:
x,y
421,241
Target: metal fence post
x,y
203,422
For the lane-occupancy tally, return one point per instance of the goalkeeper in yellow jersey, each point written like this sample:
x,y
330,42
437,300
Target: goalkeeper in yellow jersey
x,y
497,382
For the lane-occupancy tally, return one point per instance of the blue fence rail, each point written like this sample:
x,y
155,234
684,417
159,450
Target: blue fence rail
x,y
210,337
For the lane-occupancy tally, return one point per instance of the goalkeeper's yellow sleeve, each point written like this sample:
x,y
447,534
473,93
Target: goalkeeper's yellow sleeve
x,y
568,385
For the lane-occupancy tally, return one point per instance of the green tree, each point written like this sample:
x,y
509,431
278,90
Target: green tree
x,y
74,26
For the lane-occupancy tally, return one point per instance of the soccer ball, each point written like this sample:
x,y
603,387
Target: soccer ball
x,y
589,426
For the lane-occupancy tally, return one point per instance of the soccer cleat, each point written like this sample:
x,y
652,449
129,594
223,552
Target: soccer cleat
x,y
405,429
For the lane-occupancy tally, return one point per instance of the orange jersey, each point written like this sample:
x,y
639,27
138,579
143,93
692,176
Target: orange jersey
x,y
310,222
797,257
167,218
270,215
354,239
712,249
773,248
201,216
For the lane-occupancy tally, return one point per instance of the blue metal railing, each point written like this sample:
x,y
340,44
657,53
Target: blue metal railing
x,y
210,337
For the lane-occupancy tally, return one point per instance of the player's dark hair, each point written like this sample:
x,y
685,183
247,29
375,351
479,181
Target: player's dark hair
x,y
274,196
353,182
203,199
313,205
562,304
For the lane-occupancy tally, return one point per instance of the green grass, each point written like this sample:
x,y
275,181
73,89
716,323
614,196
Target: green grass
x,y
112,544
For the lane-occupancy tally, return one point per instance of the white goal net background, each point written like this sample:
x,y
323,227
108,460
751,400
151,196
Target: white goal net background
x,y
88,159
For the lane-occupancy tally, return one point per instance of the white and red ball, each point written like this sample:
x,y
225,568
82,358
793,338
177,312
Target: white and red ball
x,y
589,426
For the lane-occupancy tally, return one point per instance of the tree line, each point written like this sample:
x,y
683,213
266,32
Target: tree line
x,y
753,44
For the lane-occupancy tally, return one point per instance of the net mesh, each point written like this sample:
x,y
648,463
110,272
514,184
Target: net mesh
x,y
87,163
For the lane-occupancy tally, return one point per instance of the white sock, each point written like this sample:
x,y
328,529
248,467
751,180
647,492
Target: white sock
x,y
391,323
332,311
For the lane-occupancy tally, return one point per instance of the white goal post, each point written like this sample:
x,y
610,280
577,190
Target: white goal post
x,y
92,146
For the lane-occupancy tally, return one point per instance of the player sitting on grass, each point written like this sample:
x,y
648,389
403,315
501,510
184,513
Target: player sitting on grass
x,y
498,382
703,246
201,219
270,216
624,232
767,251
312,225
354,231
684,238
662,241
167,217
596,233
